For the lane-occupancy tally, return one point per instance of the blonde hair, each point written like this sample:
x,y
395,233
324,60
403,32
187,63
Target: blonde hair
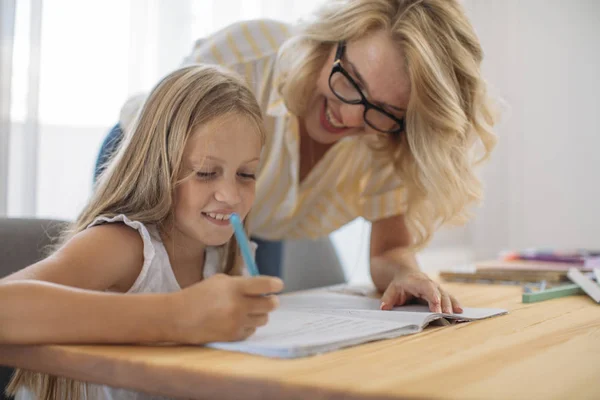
x,y
449,115
140,179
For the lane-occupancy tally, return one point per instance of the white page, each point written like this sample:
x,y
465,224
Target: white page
x,y
290,328
468,313
413,318
289,331
315,322
317,300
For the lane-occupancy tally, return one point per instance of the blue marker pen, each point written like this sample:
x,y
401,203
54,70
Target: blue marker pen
x,y
243,242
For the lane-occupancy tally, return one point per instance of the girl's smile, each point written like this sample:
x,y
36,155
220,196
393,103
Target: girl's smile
x,y
219,218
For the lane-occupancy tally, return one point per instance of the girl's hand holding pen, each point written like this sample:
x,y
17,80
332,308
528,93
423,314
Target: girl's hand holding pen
x,y
223,308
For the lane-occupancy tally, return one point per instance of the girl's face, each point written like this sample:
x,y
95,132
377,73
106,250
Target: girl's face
x,y
376,64
220,162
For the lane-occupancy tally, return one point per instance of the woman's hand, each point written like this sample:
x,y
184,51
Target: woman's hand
x,y
224,308
410,284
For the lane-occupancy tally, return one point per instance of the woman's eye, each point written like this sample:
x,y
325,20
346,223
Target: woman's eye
x,y
247,176
205,175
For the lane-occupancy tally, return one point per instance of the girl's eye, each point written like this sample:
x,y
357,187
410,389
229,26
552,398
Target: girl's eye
x,y
247,176
205,175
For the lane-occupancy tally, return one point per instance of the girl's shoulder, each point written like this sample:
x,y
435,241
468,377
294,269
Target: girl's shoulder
x,y
123,235
151,270
98,258
118,231
123,225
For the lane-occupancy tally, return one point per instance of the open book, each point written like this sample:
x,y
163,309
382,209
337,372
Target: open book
x,y
317,322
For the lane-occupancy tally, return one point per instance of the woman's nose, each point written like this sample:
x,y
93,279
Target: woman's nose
x,y
352,115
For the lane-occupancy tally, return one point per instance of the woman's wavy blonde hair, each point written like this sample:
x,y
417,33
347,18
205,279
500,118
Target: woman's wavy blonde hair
x,y
449,116
141,178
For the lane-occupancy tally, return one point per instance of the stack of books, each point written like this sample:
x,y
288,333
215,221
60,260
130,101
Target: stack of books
x,y
528,266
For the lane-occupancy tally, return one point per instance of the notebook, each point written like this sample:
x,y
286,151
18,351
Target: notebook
x,y
312,323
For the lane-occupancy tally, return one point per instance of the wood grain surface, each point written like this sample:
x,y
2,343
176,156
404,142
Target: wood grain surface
x,y
547,350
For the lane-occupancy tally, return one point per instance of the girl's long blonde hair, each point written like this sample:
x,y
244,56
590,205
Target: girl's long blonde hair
x,y
449,117
141,177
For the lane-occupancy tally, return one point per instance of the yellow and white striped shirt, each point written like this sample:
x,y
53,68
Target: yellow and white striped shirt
x,y
351,180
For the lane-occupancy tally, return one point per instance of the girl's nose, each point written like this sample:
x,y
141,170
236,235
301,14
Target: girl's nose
x,y
228,192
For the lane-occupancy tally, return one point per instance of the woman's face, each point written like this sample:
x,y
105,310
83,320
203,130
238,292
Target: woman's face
x,y
377,66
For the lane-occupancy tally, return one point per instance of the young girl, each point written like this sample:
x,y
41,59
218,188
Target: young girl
x,y
157,229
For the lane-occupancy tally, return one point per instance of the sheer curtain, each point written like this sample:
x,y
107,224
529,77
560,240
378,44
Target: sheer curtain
x,y
7,29
67,66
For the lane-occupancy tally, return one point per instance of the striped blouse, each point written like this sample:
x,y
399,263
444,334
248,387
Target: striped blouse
x,y
350,181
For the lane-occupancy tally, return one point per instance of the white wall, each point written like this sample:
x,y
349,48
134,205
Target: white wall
x,y
543,58
542,185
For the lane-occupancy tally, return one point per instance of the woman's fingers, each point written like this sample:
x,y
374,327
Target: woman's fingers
x,y
393,295
404,287
446,302
429,291
456,305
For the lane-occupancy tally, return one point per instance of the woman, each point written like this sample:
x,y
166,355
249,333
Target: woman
x,y
373,108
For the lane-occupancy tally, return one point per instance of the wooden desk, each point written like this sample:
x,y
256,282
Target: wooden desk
x,y
548,350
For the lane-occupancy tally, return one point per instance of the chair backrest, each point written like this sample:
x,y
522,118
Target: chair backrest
x,y
22,243
25,241
309,264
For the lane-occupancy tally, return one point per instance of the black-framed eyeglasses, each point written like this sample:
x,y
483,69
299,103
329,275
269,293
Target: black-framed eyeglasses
x,y
348,91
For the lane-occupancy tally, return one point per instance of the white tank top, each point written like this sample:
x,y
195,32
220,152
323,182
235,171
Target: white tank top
x,y
156,276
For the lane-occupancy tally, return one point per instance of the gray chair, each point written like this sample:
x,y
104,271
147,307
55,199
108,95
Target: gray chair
x,y
22,243
25,241
310,263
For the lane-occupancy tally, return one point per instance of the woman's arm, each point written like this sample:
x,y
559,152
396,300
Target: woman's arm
x,y
389,239
395,270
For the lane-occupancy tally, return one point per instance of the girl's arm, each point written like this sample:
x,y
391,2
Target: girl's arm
x,y
60,299
221,308
34,312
